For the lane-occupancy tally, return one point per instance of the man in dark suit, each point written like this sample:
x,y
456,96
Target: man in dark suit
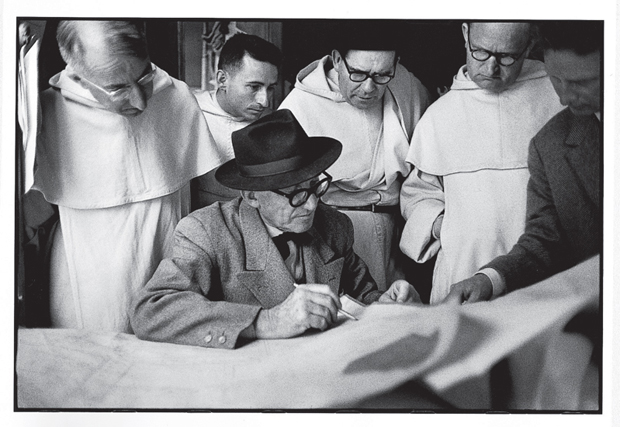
x,y
237,266
564,224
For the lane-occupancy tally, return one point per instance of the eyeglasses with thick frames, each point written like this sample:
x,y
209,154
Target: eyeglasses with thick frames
x,y
124,92
505,59
300,196
360,76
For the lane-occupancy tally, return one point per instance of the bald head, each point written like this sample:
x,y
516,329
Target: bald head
x,y
516,32
499,39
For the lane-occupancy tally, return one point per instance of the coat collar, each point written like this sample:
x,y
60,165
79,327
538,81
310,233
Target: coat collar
x,y
255,237
266,275
258,243
581,129
584,140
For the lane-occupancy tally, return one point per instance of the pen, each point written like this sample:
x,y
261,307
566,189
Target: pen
x,y
341,311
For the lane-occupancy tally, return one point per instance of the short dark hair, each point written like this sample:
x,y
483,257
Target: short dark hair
x,y
581,37
231,56
376,35
126,38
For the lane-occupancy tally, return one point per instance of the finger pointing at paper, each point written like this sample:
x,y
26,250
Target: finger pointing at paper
x,y
401,291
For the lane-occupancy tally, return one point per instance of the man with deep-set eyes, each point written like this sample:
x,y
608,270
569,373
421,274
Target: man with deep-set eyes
x,y
246,77
464,201
563,224
362,96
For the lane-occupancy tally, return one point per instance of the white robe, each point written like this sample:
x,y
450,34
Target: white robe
x,y
121,186
469,153
375,143
222,125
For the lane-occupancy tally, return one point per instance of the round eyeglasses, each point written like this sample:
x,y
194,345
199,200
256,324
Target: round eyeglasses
x,y
505,59
358,76
300,196
123,93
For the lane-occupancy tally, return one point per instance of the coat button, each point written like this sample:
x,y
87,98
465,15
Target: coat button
x,y
208,339
222,339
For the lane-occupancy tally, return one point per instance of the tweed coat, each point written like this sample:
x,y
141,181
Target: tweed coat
x,y
564,221
225,268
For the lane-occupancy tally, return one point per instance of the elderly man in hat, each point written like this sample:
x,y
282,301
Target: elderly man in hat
x,y
269,264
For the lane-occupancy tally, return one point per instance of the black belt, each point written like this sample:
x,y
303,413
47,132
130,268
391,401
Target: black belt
x,y
389,209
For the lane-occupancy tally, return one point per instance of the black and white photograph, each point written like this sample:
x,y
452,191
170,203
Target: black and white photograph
x,y
237,213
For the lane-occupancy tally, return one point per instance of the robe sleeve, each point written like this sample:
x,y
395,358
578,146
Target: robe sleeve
x,y
421,202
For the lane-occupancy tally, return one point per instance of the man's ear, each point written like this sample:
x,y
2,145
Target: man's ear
x,y
71,74
464,29
250,198
221,77
530,46
336,58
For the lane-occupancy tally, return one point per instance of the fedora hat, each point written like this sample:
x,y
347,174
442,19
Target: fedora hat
x,y
275,152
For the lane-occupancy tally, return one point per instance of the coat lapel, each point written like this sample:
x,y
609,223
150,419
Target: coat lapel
x,y
584,154
265,274
321,263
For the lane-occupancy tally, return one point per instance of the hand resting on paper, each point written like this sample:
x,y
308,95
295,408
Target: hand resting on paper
x,y
476,288
308,306
401,291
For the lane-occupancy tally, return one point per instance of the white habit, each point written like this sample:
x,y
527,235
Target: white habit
x,y
375,143
222,125
121,186
469,153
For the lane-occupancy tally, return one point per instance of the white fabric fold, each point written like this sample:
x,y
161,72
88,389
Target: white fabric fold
x,y
91,158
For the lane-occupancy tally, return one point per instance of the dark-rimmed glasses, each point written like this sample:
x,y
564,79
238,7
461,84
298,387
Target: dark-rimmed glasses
x,y
123,93
505,59
358,76
300,196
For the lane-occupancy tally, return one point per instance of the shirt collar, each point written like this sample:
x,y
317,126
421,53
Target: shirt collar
x,y
272,231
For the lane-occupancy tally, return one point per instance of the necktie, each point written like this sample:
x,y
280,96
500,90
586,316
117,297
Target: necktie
x,y
289,245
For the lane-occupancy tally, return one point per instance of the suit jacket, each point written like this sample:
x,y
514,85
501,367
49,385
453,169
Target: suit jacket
x,y
564,221
225,268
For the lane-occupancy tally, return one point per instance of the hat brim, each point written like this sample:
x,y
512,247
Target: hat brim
x,y
323,154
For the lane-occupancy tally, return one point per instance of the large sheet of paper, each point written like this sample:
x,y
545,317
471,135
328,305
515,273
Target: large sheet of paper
x,y
354,361
505,324
548,366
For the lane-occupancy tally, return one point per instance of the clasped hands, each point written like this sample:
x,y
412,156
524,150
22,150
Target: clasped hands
x,y
316,306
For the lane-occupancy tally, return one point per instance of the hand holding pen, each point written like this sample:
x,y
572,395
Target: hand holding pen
x,y
340,310
308,306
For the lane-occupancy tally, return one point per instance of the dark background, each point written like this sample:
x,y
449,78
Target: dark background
x,y
432,50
